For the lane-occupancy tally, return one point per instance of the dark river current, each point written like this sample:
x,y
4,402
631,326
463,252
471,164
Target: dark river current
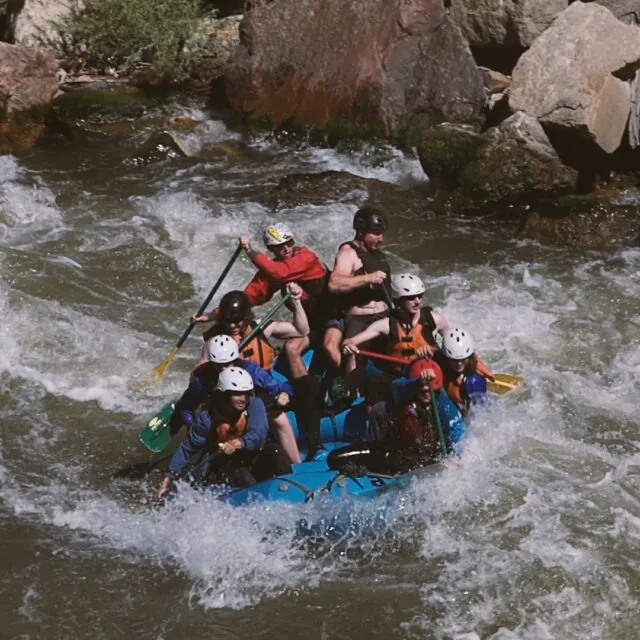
x,y
534,534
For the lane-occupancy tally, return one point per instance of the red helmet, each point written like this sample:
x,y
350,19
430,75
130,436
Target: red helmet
x,y
423,364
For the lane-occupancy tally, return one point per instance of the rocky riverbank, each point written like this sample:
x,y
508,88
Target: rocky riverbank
x,y
514,107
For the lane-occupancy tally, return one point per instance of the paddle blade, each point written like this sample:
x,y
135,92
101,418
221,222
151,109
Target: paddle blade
x,y
156,434
504,382
161,369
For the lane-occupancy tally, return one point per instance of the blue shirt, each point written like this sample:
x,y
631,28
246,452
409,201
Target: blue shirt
x,y
205,377
199,433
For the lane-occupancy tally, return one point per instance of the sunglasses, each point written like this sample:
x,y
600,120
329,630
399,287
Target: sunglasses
x,y
416,297
288,243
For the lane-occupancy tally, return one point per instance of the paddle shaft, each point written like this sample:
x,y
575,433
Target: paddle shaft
x,y
268,316
212,293
436,417
382,356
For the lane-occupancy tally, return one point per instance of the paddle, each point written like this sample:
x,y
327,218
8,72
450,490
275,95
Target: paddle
x,y
382,356
436,417
276,307
159,371
140,469
504,382
155,434
385,292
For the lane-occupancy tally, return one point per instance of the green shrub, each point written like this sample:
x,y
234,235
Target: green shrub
x,y
123,33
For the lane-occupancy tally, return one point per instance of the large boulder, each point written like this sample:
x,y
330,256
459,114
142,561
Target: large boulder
x,y
34,23
574,78
27,86
214,42
372,63
508,164
505,23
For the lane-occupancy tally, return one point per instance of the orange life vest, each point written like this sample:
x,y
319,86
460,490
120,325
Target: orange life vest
x,y
405,340
454,384
257,349
226,431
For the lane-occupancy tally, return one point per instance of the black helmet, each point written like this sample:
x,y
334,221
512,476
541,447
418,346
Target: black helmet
x,y
369,220
234,306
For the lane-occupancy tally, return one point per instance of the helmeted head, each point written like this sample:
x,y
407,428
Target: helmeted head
x,y
235,380
407,290
457,344
278,238
369,220
277,234
422,364
234,307
222,349
237,385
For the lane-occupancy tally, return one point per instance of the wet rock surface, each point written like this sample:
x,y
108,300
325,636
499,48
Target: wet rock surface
x,y
27,85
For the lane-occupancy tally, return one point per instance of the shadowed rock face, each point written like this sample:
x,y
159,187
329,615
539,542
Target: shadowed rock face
x,y
511,163
582,223
574,77
27,82
625,10
372,62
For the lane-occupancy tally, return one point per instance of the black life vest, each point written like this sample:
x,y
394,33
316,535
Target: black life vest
x,y
372,261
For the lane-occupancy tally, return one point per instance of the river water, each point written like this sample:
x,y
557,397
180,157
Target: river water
x,y
533,534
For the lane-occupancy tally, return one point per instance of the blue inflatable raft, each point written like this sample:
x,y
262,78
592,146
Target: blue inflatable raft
x,y
313,479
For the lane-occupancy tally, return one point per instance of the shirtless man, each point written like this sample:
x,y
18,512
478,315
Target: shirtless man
x,y
360,278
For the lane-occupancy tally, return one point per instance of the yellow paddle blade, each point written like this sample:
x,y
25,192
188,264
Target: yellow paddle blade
x,y
159,371
504,382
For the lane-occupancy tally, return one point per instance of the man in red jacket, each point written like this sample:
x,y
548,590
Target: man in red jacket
x,y
290,263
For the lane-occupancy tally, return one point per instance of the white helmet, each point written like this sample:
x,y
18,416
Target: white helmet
x,y
457,344
222,349
406,284
276,234
234,379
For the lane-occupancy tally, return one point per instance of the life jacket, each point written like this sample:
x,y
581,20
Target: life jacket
x,y
257,349
454,384
414,426
226,430
405,340
372,261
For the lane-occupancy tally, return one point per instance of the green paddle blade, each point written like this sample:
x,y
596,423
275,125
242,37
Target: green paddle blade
x,y
156,435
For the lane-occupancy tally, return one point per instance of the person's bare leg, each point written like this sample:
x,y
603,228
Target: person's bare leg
x,y
331,344
287,440
294,348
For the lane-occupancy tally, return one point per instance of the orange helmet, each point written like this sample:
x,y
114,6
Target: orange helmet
x,y
418,366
